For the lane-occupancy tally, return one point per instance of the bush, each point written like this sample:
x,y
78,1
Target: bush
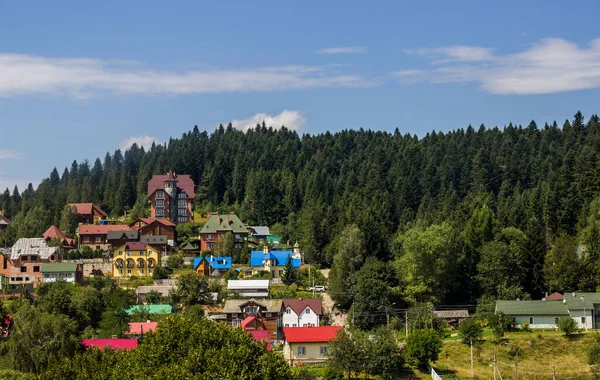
x,y
175,261
593,357
470,330
333,374
423,346
500,323
567,325
525,327
160,273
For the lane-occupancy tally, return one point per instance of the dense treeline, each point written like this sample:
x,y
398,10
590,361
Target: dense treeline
x,y
448,217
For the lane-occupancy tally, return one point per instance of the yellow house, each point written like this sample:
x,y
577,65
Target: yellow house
x,y
307,345
135,259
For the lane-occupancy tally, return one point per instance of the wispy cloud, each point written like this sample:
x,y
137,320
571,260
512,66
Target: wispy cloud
x,y
82,77
141,141
6,154
549,66
343,50
290,119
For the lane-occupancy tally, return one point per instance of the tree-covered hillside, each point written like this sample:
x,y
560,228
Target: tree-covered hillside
x,y
450,216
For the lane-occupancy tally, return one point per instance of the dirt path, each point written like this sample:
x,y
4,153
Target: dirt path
x,y
337,318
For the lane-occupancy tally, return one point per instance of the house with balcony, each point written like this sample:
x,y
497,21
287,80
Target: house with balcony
x,y
22,263
273,261
95,236
301,312
68,272
254,315
149,227
89,213
171,197
307,345
212,266
217,227
135,259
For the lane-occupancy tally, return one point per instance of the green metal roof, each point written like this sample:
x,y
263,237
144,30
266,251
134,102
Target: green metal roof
x,y
532,307
574,301
59,268
229,222
152,309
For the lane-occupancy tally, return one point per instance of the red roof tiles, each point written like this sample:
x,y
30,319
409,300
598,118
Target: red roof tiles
x,y
299,304
246,321
184,182
135,246
310,334
86,209
161,221
140,328
101,229
115,344
55,233
556,296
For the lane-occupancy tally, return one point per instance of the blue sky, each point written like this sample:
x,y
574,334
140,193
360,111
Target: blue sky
x,y
78,79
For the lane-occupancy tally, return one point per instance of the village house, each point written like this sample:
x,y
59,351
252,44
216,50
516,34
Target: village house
x,y
584,308
135,259
141,328
171,197
53,233
261,235
69,272
114,343
307,345
302,312
452,317
212,266
273,261
249,288
217,226
4,222
120,237
23,262
149,227
162,309
255,315
89,213
96,236
141,292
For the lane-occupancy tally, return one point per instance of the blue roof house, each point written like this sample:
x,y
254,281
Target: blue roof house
x,y
211,265
272,261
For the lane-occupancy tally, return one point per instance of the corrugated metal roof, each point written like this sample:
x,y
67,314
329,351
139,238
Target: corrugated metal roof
x,y
260,230
59,267
532,308
32,246
452,313
247,284
224,222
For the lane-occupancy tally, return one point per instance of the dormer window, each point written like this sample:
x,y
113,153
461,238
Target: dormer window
x,y
307,311
288,311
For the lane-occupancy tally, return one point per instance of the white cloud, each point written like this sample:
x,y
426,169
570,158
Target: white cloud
x,y
457,53
142,141
82,77
549,66
343,50
6,154
290,119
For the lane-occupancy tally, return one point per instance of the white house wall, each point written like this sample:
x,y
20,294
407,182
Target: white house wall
x,y
577,314
539,321
291,319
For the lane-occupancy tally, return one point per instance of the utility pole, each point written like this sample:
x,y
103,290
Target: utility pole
x,y
494,366
472,370
517,365
553,373
406,322
584,311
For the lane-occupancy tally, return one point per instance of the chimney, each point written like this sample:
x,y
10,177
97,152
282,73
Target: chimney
x,y
228,220
574,294
208,215
266,249
147,321
546,294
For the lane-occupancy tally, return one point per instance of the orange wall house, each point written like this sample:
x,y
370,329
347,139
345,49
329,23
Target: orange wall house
x,y
23,262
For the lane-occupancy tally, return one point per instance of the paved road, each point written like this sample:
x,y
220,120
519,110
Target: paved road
x,y
338,319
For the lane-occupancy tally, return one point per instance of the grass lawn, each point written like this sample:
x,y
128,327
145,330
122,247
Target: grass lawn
x,y
538,353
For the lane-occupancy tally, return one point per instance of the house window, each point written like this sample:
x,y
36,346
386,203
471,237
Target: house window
x,y
160,194
33,258
120,253
323,350
294,325
267,315
149,271
209,237
210,245
182,203
288,311
128,253
182,219
36,268
128,271
23,269
531,320
120,271
182,195
237,236
160,203
182,211
583,320
23,258
236,322
86,239
141,271
307,311
251,309
234,315
98,239
160,211
301,351
97,247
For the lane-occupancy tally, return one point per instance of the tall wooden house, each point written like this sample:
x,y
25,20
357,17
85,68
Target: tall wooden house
x,y
255,315
89,213
171,197
217,226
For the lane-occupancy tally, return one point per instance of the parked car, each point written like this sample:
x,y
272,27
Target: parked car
x,y
317,288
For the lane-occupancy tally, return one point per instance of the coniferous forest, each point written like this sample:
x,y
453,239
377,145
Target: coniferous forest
x,y
447,218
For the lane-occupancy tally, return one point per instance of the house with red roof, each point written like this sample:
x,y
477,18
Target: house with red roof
x,y
89,213
307,345
171,197
152,227
95,236
4,222
54,232
114,344
140,328
301,312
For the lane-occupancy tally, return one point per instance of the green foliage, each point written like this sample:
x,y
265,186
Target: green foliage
x,y
500,323
175,261
562,266
9,374
421,317
191,290
593,357
69,219
186,233
348,259
153,297
470,330
307,275
567,325
525,327
161,273
177,350
423,347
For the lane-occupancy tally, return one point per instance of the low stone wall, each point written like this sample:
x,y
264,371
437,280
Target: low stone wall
x,y
90,264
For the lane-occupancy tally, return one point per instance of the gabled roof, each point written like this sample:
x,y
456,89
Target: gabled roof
x,y
449,314
259,230
310,334
556,296
257,258
224,222
115,344
154,239
59,268
189,247
247,321
164,290
148,221
152,309
221,263
4,220
531,308
235,306
247,284
86,209
299,304
32,246
122,235
576,301
54,232
101,229
140,328
184,182
135,246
